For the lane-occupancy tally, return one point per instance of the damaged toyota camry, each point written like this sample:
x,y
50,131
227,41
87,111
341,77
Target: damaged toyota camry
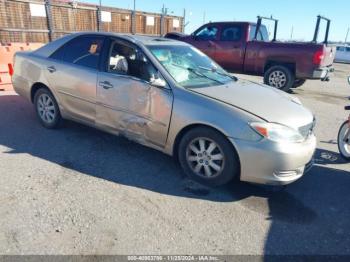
x,y
170,96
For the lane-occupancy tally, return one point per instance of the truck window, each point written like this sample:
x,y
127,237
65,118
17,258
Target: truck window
x,y
207,33
263,35
231,33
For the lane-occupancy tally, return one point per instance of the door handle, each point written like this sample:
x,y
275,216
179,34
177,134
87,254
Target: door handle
x,y
106,85
51,69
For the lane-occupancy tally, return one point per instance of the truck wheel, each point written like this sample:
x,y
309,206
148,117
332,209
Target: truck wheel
x,y
280,77
208,157
299,82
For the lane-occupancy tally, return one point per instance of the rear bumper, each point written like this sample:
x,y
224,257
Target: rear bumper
x,y
323,73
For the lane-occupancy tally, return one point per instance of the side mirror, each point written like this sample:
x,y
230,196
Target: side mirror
x,y
158,82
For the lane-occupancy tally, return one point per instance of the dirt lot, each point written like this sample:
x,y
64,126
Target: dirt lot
x,y
81,191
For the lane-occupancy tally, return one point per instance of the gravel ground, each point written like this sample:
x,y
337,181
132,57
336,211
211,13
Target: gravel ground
x,y
81,191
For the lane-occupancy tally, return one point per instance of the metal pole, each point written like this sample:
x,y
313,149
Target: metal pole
x,y
49,18
184,21
162,21
317,28
347,34
291,33
133,19
99,24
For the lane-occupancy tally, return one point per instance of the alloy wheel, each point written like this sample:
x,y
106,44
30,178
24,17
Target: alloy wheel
x,y
205,157
343,141
46,108
277,79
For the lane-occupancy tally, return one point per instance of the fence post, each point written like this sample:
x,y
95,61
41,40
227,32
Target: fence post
x,y
162,20
133,22
49,18
99,25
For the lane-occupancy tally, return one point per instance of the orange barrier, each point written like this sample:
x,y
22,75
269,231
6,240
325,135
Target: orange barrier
x,y
6,60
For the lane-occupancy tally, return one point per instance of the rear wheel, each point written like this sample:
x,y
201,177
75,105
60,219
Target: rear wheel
x,y
207,157
280,77
47,109
344,141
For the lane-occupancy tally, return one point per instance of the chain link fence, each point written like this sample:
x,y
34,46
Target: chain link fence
x,y
46,20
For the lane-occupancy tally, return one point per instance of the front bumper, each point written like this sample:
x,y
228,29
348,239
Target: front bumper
x,y
323,73
270,163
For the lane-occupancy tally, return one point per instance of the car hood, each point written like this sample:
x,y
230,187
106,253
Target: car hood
x,y
260,100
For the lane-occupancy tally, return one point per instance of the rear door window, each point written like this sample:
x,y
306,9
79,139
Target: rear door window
x,y
83,51
231,33
263,34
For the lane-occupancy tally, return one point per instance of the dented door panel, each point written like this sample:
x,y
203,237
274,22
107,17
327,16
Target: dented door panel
x,y
133,108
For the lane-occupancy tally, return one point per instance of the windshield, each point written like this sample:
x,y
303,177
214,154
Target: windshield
x,y
189,67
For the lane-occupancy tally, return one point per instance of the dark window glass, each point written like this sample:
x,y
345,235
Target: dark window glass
x,y
207,33
128,60
232,33
84,51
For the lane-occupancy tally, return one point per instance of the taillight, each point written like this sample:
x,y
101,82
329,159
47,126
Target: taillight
x,y
318,57
11,71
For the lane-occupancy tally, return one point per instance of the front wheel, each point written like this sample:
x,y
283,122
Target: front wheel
x,y
344,141
280,77
208,157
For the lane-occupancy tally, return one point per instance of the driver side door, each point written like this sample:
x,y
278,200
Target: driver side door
x,y
205,39
127,103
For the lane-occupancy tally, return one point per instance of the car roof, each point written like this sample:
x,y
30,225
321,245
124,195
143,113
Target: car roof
x,y
143,39
231,23
51,47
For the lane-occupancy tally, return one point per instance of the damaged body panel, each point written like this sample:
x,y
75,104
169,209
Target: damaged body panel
x,y
134,108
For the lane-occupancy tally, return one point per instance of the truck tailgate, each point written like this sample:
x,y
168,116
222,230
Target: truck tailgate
x,y
329,55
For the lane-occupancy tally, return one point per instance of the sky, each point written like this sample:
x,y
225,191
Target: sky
x,y
297,18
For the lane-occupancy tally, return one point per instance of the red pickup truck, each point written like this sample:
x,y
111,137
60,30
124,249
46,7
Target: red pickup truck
x,y
244,47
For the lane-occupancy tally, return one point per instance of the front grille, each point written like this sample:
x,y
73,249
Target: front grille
x,y
306,130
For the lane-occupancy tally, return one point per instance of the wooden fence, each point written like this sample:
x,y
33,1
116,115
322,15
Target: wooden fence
x,y
45,20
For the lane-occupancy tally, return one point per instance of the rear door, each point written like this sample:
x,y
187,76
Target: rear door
x,y
230,47
72,74
205,39
126,101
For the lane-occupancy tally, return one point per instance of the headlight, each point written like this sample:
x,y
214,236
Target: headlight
x,y
277,132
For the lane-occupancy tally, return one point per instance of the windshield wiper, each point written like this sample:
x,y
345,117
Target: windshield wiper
x,y
214,70
194,71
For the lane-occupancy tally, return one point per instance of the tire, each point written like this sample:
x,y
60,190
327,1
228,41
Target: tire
x,y
299,82
280,77
191,155
341,145
47,109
